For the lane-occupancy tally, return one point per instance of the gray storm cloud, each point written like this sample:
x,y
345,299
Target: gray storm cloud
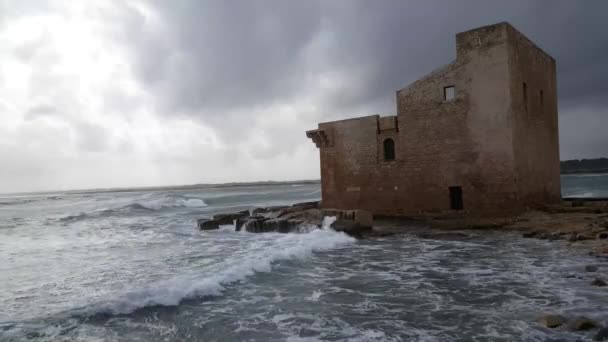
x,y
168,92
223,56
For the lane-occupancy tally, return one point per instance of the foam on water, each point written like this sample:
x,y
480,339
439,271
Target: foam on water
x,y
132,266
172,292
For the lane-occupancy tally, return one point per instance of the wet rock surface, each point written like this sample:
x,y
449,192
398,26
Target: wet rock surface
x,y
591,268
231,217
553,321
206,224
581,324
299,217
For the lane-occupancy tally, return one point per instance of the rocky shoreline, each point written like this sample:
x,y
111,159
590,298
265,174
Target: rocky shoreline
x,y
296,218
579,224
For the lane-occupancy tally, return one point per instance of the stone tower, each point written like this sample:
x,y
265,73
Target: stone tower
x,y
476,136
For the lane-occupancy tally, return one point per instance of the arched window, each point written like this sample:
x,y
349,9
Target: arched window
x,y
389,149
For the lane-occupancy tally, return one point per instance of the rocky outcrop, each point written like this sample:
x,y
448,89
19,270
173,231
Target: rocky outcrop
x,y
581,324
296,218
207,224
261,211
220,219
575,324
260,224
553,321
231,217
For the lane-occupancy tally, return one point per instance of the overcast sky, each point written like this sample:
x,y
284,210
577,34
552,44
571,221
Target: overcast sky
x,y
133,93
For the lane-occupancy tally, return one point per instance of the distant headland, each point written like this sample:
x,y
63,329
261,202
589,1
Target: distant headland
x,y
597,165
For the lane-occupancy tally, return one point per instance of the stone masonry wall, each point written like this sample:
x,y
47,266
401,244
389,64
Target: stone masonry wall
x,y
476,140
536,142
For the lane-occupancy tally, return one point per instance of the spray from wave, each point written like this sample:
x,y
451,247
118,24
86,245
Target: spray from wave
x,y
139,205
172,292
172,201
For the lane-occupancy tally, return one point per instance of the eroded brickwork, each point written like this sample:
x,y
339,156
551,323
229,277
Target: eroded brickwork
x,y
502,154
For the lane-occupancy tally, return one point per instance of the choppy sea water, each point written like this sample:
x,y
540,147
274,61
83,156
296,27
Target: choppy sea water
x,y
131,266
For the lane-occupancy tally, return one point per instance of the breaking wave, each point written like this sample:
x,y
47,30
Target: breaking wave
x,y
170,201
146,205
213,284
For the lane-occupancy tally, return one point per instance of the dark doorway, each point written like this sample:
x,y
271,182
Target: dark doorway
x,y
456,202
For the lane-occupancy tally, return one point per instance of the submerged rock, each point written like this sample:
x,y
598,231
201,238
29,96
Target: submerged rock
x,y
602,335
553,321
598,282
591,268
581,324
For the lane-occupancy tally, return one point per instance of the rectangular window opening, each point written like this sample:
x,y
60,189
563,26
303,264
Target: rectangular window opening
x,y
449,93
456,202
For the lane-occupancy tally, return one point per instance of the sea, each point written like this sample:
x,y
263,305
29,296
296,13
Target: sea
x,y
130,265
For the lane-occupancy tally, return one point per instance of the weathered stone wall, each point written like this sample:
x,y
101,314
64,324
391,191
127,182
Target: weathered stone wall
x,y
535,129
475,141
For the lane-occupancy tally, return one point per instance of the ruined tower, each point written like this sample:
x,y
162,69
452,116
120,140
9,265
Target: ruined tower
x,y
477,136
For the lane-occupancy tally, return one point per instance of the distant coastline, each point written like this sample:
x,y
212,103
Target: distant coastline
x,y
175,187
577,166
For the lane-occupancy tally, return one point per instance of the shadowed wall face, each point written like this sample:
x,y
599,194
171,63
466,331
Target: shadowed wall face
x,y
458,140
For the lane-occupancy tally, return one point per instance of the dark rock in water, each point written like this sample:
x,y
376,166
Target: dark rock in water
x,y
230,217
313,216
283,225
581,324
602,236
598,282
553,321
573,237
529,234
298,207
602,335
249,223
591,268
240,222
266,225
350,227
206,224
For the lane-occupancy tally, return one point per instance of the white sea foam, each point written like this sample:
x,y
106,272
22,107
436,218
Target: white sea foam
x,y
172,292
173,202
